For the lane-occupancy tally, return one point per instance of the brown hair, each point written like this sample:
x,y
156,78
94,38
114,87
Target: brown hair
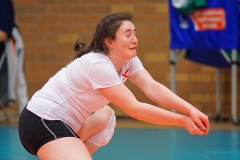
x,y
106,28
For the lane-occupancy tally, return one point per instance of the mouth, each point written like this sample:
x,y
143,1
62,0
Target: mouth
x,y
133,48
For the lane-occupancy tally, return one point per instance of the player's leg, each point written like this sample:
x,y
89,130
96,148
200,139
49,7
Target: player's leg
x,y
98,129
50,139
64,148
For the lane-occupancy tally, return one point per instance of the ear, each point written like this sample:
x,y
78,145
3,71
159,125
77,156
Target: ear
x,y
108,42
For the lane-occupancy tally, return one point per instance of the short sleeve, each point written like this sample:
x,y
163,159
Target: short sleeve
x,y
102,74
135,65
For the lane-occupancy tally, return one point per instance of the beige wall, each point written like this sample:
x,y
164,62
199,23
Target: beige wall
x,y
50,28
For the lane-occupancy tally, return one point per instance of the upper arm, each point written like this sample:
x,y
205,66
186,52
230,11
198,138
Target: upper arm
x,y
143,80
122,97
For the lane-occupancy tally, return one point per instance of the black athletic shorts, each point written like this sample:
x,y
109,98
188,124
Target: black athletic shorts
x,y
35,131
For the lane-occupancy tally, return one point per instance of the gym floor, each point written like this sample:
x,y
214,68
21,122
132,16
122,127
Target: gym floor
x,y
142,141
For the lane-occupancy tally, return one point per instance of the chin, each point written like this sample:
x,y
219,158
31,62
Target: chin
x,y
132,54
135,54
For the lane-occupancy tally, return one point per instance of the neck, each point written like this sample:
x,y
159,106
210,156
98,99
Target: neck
x,y
116,62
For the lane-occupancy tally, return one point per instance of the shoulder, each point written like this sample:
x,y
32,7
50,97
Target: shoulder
x,y
89,59
135,60
93,57
135,63
93,61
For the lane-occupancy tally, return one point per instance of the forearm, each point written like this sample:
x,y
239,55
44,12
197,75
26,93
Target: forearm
x,y
155,115
165,97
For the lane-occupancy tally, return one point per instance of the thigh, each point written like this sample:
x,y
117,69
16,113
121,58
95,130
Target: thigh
x,y
64,148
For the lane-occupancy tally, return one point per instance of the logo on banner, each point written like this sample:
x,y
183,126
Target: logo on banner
x,y
209,19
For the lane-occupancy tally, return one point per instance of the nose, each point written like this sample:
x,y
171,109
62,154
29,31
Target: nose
x,y
135,40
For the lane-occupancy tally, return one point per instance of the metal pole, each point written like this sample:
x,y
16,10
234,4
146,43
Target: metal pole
x,y
172,71
234,86
218,95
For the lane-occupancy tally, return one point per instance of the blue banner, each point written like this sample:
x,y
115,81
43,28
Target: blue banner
x,y
206,30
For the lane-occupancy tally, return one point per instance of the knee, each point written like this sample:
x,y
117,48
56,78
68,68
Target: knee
x,y
96,123
104,136
102,117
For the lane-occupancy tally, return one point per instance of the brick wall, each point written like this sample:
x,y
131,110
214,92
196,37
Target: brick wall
x,y
50,28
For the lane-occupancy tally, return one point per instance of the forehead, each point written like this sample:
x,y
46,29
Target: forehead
x,y
126,26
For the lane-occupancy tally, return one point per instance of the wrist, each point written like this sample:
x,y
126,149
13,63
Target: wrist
x,y
193,111
182,120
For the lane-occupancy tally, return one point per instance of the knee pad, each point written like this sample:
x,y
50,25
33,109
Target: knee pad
x,y
103,137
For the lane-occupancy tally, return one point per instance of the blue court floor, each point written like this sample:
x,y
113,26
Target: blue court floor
x,y
145,144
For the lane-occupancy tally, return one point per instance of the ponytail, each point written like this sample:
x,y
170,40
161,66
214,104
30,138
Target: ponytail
x,y
80,49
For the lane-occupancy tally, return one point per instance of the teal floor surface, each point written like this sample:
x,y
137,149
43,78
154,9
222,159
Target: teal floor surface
x,y
144,144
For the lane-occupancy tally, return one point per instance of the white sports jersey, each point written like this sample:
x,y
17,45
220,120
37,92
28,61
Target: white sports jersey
x,y
71,95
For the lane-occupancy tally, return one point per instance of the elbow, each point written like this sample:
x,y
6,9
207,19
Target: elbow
x,y
133,111
132,114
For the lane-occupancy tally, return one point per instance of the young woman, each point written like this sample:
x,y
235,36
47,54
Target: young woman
x,y
69,117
